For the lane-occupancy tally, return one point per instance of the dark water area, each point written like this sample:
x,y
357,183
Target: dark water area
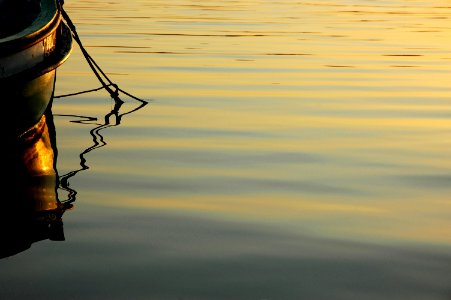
x,y
277,150
141,255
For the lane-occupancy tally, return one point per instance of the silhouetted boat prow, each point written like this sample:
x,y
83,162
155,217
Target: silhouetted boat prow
x,y
33,44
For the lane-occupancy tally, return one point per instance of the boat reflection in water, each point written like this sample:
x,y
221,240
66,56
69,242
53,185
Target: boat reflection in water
x,y
32,210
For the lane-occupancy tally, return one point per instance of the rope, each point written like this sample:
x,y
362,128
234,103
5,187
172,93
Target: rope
x,y
98,72
78,93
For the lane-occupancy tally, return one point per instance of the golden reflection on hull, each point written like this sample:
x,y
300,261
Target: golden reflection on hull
x,y
32,211
35,169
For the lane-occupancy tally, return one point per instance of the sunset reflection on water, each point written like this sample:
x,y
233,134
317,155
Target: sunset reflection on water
x,y
289,150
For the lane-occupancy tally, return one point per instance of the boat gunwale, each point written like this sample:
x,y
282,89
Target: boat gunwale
x,y
57,58
44,24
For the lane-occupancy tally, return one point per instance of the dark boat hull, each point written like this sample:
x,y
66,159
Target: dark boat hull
x,y
28,63
27,100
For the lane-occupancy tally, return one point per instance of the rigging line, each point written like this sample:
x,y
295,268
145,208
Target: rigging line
x,y
79,93
88,58
93,65
131,96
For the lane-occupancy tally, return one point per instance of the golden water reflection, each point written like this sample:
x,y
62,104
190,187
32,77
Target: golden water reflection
x,y
293,150
330,114
32,212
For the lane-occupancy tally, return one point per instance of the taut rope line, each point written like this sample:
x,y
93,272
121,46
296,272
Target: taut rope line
x,y
98,72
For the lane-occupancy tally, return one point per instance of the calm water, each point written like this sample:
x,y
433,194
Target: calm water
x,y
289,150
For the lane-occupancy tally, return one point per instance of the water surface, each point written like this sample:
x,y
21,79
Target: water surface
x,y
289,150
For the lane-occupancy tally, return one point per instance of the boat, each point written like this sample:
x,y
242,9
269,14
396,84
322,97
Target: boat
x,y
34,42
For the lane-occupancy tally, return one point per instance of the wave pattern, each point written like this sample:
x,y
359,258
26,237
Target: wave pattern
x,y
321,117
361,84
